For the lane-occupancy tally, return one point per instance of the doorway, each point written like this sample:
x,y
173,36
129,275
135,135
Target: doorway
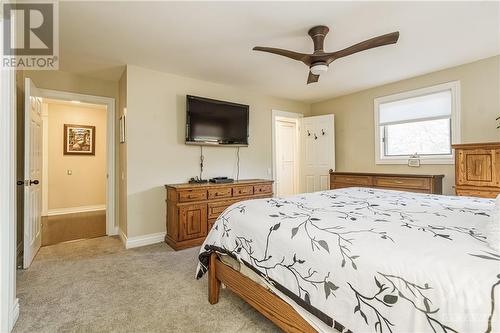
x,y
286,153
73,171
69,138
303,152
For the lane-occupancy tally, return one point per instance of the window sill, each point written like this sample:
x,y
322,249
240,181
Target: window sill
x,y
423,161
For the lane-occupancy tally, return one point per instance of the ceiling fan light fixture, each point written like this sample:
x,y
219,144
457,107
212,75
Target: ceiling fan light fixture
x,y
319,60
318,69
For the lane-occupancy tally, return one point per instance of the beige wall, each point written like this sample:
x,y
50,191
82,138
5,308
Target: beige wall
x,y
354,122
87,184
157,155
58,80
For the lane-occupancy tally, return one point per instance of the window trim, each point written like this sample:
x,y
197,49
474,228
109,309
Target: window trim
x,y
454,87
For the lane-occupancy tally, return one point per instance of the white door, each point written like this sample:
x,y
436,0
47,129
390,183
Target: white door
x,y
318,152
32,172
287,160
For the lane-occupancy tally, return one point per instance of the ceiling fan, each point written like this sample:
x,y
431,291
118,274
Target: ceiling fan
x,y
319,60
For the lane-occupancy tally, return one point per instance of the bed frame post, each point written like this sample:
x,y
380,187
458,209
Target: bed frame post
x,y
213,282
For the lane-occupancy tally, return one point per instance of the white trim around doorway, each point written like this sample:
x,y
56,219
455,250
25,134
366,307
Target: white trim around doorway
x,y
9,304
111,225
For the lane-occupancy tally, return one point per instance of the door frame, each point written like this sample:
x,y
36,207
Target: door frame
x,y
9,304
276,114
111,226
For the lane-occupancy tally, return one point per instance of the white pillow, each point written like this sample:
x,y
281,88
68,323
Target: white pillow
x,y
493,228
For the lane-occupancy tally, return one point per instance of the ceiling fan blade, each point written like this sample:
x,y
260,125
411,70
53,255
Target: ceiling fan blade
x,y
386,39
305,58
312,78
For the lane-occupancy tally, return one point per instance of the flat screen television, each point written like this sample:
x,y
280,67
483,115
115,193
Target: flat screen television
x,y
210,121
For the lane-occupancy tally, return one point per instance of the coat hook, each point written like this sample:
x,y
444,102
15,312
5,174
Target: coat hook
x,y
315,137
323,132
308,133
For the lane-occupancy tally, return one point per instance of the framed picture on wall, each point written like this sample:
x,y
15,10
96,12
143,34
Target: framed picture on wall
x,y
122,129
79,139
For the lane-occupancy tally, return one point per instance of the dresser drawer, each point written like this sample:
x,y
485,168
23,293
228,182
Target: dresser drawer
x,y
219,193
401,182
192,195
263,189
477,193
216,208
352,180
242,190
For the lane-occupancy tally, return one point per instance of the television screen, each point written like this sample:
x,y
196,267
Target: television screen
x,y
216,122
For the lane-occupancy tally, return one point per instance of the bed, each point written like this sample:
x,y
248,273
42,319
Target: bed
x,y
359,260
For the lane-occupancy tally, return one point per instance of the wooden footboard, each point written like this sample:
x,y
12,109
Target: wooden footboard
x,y
264,301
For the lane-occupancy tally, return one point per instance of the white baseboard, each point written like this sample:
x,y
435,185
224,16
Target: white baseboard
x,y
138,241
15,313
73,210
123,237
114,232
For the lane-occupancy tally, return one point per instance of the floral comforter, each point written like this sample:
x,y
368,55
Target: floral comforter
x,y
370,260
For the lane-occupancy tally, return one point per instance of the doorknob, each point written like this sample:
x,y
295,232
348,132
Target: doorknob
x,y
34,182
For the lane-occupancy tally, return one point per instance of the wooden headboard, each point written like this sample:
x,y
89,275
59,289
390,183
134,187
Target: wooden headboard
x,y
402,182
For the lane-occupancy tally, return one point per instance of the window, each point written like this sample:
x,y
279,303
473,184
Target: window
x,y
424,121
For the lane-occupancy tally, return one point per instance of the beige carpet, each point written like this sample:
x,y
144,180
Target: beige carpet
x,y
97,286
67,227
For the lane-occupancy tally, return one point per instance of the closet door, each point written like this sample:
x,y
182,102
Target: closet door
x,y
287,157
318,152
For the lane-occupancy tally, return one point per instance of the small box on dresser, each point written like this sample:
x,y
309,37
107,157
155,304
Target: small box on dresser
x,y
192,209
477,169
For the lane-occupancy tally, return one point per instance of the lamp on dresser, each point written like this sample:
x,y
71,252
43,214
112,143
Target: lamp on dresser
x,y
477,169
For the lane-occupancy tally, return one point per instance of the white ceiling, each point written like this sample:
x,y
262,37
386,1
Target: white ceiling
x,y
212,41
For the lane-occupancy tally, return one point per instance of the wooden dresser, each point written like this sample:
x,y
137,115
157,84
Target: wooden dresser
x,y
193,208
402,182
477,169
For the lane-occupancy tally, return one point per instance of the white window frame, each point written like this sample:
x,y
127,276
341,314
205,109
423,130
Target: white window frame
x,y
454,87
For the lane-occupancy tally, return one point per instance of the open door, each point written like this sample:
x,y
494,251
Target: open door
x,y
318,152
32,172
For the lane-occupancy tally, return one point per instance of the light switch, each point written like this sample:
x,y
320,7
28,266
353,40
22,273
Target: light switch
x,y
70,172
